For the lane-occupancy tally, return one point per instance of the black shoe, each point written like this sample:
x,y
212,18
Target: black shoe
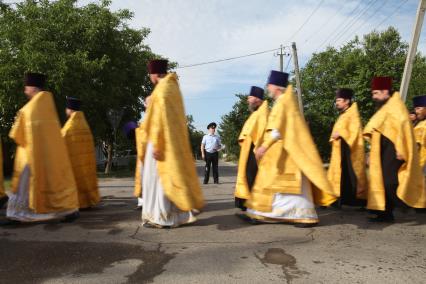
x,y
361,209
216,182
206,182
9,222
71,217
86,209
249,220
3,201
420,210
336,205
305,225
154,226
138,208
383,218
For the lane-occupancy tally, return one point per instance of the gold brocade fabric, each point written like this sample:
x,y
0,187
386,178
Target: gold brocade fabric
x,y
81,150
140,139
37,133
166,129
392,122
2,192
281,168
420,133
252,133
349,127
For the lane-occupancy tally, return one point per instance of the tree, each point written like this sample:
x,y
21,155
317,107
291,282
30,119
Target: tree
x,y
231,126
353,66
89,52
195,136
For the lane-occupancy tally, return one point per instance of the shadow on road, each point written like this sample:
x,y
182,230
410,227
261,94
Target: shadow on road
x,y
74,260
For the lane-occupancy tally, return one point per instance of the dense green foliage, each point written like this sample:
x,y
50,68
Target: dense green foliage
x,y
87,51
231,126
195,136
353,66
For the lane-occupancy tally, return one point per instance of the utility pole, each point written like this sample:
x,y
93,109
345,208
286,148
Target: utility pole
x,y
409,62
297,73
281,54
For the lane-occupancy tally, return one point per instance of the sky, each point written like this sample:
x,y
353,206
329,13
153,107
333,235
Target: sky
x,y
194,31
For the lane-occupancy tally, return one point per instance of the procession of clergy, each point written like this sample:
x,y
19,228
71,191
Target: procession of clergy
x,y
281,178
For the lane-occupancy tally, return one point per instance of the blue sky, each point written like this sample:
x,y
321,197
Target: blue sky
x,y
193,31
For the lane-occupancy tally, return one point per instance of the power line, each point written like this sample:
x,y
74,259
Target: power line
x,y
372,15
306,21
338,27
256,53
317,32
288,63
354,20
227,59
390,15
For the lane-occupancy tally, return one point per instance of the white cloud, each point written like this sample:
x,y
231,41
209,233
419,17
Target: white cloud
x,y
191,31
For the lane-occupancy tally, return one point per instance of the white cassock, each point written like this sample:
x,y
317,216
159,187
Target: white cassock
x,y
157,209
291,207
18,205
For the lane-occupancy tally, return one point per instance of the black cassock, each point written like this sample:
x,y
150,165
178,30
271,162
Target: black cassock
x,y
348,180
390,167
251,172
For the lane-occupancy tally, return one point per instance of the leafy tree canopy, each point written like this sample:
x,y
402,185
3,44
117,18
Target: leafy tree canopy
x,y
88,52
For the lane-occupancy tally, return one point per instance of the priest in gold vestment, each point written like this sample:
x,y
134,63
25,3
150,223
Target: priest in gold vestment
x,y
170,187
346,172
395,173
419,104
43,185
250,139
3,196
291,175
81,150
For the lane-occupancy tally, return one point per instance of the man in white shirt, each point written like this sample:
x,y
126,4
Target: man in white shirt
x,y
210,146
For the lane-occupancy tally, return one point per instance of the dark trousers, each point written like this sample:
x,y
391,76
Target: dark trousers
x,y
390,167
348,180
212,159
251,172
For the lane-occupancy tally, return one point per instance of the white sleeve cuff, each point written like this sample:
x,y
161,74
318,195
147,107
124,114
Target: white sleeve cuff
x,y
275,134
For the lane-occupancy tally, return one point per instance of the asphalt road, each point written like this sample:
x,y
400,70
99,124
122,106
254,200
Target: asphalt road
x,y
108,245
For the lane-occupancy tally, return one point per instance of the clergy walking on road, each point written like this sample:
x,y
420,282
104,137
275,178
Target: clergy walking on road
x,y
81,150
395,173
170,186
250,139
419,104
43,185
290,172
346,172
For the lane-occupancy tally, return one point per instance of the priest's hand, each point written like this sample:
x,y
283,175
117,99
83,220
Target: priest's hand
x,y
335,135
360,191
260,152
157,155
399,157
